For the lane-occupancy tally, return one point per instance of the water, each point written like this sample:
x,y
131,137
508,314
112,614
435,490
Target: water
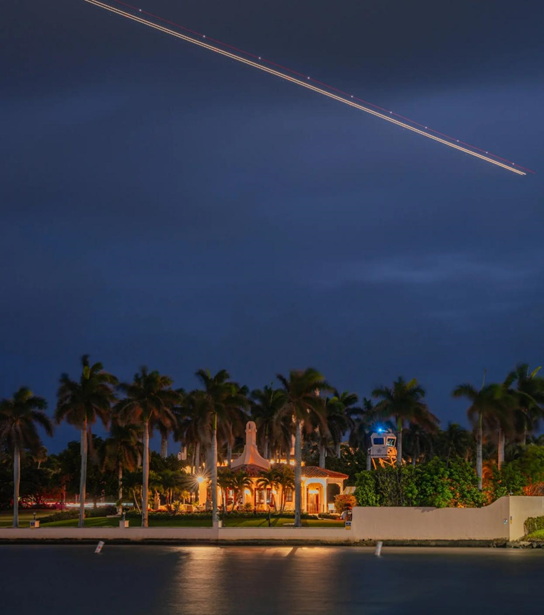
x,y
268,580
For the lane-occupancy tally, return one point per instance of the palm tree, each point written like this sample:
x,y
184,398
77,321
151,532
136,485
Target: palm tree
x,y
266,404
149,401
365,420
191,425
491,406
268,479
529,387
285,479
240,482
339,421
234,422
455,441
404,402
174,427
19,417
122,450
173,483
306,410
132,484
419,440
219,396
225,481
80,403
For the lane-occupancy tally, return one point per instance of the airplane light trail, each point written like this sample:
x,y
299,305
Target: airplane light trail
x,y
306,84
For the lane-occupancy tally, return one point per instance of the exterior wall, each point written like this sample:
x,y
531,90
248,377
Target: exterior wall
x,y
109,533
502,520
332,535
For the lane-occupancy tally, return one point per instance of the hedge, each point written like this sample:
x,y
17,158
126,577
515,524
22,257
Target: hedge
x,y
73,513
533,524
435,484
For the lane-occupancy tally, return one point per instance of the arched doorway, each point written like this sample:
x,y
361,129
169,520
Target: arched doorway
x,y
314,498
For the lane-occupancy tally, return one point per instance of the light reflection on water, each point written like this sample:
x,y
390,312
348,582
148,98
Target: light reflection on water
x,y
267,580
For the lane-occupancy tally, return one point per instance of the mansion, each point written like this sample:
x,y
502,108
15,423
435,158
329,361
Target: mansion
x,y
319,486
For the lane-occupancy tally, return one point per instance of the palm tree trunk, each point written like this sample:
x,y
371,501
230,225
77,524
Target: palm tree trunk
x,y
145,485
399,441
83,476
120,492
322,455
229,453
164,446
337,450
215,518
479,452
500,448
266,447
416,451
298,475
139,459
16,484
197,457
288,456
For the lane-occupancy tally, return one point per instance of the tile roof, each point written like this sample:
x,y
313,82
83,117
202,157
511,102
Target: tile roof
x,y
307,471
315,472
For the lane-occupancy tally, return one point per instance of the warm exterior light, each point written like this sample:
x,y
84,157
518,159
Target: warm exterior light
x,y
200,479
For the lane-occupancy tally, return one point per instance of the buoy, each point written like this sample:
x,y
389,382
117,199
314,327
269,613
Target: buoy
x,y
379,546
99,546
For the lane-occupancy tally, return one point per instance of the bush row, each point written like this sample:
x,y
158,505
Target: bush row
x,y
436,484
234,515
73,513
533,524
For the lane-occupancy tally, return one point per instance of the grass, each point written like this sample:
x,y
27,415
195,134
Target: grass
x,y
134,522
279,522
25,516
538,535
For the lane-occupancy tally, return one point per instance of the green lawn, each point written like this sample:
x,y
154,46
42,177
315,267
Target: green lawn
x,y
134,522
279,522
538,535
25,517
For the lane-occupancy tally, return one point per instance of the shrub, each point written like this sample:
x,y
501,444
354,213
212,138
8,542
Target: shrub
x,y
533,524
396,486
133,514
463,483
73,513
343,502
435,484
508,480
365,490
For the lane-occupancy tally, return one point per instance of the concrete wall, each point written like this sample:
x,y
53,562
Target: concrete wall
x,y
502,520
193,534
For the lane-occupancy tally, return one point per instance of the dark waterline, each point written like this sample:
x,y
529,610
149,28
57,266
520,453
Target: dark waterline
x,y
268,580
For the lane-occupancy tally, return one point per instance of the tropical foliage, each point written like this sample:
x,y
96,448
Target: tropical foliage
x,y
302,419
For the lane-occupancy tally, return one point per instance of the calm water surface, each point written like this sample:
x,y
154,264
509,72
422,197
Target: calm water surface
x,y
262,581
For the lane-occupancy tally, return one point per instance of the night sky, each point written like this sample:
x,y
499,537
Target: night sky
x,y
162,205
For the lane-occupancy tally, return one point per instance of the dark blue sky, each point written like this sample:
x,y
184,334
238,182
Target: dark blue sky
x,y
165,206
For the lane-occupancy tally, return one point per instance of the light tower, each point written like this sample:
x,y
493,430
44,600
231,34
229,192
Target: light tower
x,y
383,449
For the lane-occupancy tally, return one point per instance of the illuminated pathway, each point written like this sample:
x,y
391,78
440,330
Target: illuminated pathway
x,y
350,100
